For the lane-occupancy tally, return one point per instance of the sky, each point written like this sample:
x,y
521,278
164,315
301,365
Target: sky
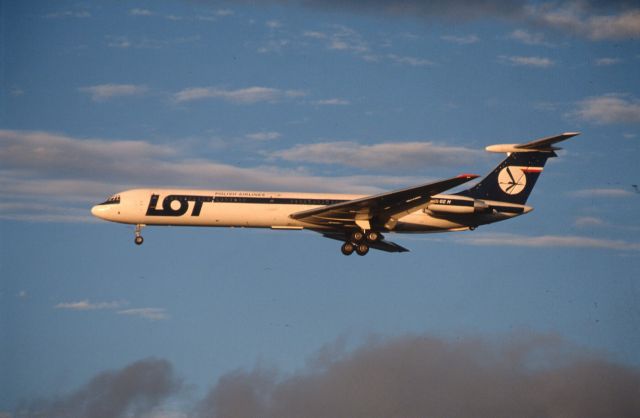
x,y
316,96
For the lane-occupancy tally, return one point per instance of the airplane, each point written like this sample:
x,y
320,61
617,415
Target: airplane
x,y
356,220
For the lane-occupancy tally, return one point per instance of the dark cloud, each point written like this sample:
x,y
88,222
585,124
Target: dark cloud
x,y
132,391
524,375
595,19
532,376
466,9
460,9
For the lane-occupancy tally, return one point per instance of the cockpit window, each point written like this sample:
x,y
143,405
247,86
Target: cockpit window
x,y
113,200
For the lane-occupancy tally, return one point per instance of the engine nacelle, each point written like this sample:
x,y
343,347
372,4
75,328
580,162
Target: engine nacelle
x,y
456,205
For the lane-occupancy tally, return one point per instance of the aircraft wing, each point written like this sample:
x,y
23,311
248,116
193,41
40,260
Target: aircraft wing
x,y
380,208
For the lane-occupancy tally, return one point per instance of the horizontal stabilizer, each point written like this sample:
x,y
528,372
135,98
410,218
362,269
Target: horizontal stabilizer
x,y
539,145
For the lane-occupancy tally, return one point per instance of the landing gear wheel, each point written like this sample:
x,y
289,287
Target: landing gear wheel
x,y
357,236
138,239
362,249
373,236
347,248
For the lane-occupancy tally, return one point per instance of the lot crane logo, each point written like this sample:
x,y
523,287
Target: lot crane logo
x,y
512,180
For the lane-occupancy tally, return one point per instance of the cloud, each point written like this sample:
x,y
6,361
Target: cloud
x,y
123,42
104,92
536,62
580,19
550,241
86,305
609,108
345,39
461,40
332,102
525,375
135,390
66,157
412,61
596,20
528,38
389,155
455,10
153,314
522,374
588,222
141,12
81,14
48,177
605,192
16,92
263,136
249,95
605,62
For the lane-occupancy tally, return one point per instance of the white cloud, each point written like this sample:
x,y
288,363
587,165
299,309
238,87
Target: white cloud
x,y
273,24
536,62
224,12
609,108
390,155
344,39
574,17
412,61
140,12
103,92
528,38
332,102
274,45
461,40
118,42
315,35
605,62
263,136
606,192
550,241
16,92
247,95
153,314
82,14
589,221
86,305
124,42
625,25
341,38
46,177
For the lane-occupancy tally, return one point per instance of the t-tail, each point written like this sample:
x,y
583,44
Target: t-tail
x,y
513,179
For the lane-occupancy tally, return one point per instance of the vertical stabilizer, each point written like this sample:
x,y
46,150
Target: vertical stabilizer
x,y
513,179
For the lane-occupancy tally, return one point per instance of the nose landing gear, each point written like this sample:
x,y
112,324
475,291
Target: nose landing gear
x,y
138,239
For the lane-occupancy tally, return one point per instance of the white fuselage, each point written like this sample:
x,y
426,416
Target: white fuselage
x,y
219,208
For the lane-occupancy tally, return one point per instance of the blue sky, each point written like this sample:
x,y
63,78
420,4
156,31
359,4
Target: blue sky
x,y
98,97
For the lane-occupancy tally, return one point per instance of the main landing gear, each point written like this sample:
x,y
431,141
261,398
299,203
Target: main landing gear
x,y
138,239
359,241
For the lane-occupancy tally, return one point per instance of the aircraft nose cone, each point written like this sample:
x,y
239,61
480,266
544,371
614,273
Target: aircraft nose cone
x,y
99,211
